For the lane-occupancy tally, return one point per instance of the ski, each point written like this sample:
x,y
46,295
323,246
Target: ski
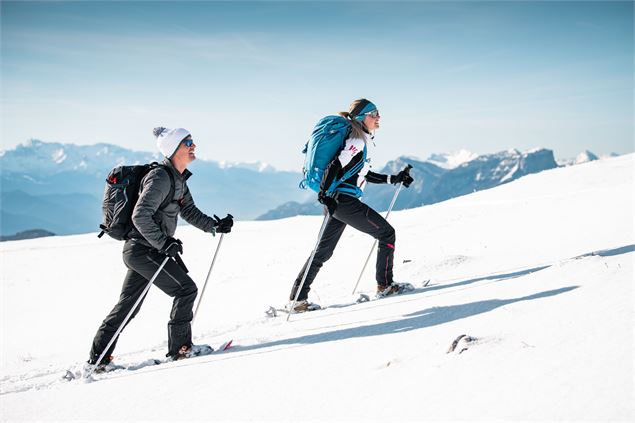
x,y
405,288
226,345
273,311
82,372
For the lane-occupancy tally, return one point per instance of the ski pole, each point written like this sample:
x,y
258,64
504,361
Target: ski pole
x,y
209,272
125,321
375,243
392,203
308,265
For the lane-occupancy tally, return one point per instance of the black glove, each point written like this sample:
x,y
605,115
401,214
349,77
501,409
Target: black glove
x,y
403,177
225,224
172,247
329,202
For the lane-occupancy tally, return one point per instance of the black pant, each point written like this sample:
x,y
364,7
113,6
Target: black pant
x,y
142,263
351,211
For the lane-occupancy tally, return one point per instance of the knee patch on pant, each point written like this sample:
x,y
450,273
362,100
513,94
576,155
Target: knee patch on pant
x,y
388,236
187,291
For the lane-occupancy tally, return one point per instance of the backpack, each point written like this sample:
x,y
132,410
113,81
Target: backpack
x,y
327,140
120,196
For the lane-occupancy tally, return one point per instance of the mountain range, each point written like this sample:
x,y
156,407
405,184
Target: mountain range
x,y
57,187
440,179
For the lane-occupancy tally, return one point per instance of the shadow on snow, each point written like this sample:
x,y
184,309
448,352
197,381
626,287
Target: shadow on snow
x,y
610,252
432,316
516,274
419,320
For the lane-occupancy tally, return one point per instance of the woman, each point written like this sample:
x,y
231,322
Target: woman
x,y
345,207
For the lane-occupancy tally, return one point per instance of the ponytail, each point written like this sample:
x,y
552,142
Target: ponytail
x,y
357,127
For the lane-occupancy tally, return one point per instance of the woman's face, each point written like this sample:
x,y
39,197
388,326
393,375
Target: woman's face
x,y
372,120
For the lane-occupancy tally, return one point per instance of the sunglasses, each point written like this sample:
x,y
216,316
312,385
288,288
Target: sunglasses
x,y
188,142
373,113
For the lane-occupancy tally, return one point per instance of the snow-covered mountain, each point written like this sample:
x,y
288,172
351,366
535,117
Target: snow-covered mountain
x,y
434,183
451,160
585,156
41,159
256,166
538,273
47,158
582,157
58,187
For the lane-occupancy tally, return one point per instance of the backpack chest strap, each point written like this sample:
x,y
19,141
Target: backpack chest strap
x,y
339,184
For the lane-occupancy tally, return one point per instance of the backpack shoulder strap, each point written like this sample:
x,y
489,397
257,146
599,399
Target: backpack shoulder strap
x,y
170,196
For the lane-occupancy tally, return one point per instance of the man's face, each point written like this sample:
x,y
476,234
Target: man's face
x,y
185,153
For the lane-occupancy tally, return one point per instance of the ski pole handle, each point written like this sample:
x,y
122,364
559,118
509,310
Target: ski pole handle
x,y
181,263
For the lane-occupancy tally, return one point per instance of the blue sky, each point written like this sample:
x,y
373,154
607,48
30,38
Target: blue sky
x,y
250,79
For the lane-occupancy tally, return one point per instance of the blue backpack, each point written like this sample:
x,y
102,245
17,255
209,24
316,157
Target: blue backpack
x,y
326,141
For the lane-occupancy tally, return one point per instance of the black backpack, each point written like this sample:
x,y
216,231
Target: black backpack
x,y
120,196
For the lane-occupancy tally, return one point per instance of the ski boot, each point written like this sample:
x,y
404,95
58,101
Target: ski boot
x,y
301,307
394,288
192,351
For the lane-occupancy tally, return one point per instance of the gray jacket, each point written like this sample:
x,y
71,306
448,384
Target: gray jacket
x,y
153,226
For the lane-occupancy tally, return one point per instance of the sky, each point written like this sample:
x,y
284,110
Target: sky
x,y
250,79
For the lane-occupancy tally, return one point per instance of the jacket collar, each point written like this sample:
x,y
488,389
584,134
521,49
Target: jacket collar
x,y
185,175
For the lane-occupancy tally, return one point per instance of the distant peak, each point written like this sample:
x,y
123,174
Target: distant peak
x,y
585,156
58,156
451,160
256,166
582,157
31,143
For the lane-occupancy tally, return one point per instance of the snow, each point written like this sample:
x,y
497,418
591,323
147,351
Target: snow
x,y
583,157
539,271
534,150
255,166
58,156
453,159
510,174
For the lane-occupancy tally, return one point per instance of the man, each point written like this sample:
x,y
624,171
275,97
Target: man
x,y
152,239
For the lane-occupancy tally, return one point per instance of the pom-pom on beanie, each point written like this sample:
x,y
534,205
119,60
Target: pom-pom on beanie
x,y
168,140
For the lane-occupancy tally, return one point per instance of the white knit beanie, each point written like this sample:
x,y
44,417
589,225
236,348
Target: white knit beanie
x,y
168,140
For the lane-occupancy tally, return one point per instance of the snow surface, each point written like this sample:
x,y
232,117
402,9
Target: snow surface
x,y
538,271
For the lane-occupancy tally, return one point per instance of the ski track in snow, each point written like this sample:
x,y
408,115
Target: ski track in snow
x,y
52,376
